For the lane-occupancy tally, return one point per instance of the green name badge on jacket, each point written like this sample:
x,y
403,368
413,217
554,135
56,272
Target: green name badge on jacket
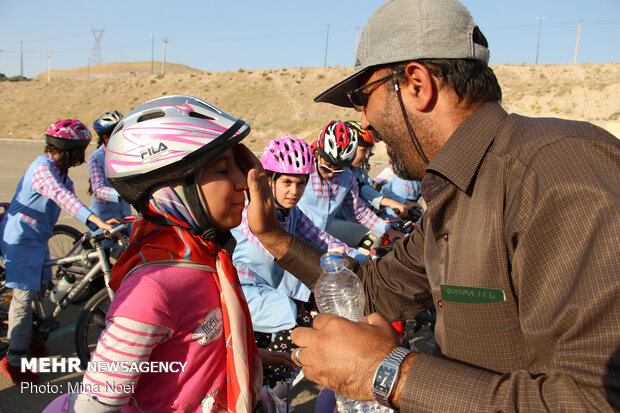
x,y
472,295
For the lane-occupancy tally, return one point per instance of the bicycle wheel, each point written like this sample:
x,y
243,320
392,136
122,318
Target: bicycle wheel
x,y
60,243
62,240
90,324
5,301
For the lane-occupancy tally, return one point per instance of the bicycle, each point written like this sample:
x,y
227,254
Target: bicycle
x,y
81,267
91,321
372,242
63,238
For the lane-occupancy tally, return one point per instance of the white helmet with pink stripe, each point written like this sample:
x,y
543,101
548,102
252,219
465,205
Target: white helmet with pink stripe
x,y
165,139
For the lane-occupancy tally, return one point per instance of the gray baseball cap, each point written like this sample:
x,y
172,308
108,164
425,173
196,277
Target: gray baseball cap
x,y
404,30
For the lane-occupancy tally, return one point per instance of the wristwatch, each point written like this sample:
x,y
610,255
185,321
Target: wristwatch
x,y
386,376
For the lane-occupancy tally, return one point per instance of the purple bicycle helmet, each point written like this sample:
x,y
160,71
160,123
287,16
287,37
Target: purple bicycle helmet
x,y
67,134
288,155
166,139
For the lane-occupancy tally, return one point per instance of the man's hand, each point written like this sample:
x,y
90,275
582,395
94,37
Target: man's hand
x,y
343,355
261,211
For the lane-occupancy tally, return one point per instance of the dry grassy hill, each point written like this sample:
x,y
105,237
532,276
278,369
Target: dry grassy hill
x,y
279,101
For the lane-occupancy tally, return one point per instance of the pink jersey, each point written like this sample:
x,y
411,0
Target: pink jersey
x,y
186,302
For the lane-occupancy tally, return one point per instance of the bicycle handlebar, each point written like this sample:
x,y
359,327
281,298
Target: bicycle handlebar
x,y
119,227
414,216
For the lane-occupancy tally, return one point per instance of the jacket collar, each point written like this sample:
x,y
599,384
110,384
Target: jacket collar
x,y
460,157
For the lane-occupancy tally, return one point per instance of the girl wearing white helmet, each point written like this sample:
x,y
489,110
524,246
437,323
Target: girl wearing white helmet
x,y
105,202
44,190
178,300
373,197
332,187
277,300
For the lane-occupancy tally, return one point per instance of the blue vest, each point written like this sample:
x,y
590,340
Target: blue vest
x,y
26,229
322,211
269,290
107,209
401,190
408,190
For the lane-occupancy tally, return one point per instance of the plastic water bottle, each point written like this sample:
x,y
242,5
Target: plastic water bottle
x,y
58,293
339,291
62,288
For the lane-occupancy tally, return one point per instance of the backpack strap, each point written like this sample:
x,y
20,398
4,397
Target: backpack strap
x,y
178,263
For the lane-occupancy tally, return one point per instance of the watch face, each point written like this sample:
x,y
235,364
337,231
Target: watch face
x,y
384,379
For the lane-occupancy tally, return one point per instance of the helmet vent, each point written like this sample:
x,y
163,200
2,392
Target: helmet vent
x,y
152,115
199,115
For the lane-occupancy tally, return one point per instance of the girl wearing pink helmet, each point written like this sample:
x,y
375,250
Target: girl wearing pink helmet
x,y
44,190
277,300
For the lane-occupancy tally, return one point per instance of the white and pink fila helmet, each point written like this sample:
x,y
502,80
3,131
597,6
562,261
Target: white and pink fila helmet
x,y
166,139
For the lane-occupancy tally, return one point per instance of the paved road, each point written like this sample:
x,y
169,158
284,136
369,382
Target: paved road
x,y
14,160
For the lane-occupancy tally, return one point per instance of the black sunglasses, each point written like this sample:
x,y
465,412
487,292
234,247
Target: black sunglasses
x,y
359,98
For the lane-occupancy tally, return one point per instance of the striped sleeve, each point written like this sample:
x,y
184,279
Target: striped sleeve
x,y
98,182
245,230
320,239
360,210
123,342
47,182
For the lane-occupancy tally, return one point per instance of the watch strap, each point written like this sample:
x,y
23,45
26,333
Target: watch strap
x,y
391,363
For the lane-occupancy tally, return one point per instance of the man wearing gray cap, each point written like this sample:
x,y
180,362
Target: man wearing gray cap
x,y
517,250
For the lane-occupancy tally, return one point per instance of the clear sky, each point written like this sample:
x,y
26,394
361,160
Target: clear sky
x,y
253,34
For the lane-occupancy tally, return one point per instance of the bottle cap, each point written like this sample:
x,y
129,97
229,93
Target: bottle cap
x,y
337,246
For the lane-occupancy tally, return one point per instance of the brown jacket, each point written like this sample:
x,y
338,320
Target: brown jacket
x,y
528,209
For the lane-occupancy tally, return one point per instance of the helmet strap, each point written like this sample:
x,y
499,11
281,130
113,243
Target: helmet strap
x,y
198,207
283,211
223,239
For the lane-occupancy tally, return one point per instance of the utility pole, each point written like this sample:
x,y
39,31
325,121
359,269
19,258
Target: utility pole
x,y
21,58
152,50
357,37
49,66
326,42
95,55
577,42
540,20
163,60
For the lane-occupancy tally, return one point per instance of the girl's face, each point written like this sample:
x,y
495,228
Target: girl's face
x,y
361,156
288,189
223,187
